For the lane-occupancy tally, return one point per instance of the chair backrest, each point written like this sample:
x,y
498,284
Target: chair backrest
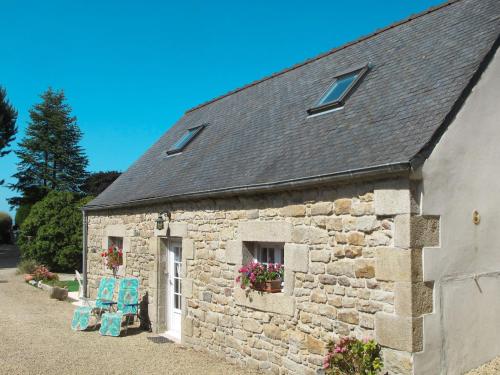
x,y
128,295
106,288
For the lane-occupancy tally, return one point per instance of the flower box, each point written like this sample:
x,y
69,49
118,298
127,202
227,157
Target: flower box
x,y
271,286
113,258
261,277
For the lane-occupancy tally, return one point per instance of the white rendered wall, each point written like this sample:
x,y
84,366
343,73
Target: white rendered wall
x,y
463,175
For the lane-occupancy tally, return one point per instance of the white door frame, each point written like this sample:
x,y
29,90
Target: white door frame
x,y
174,297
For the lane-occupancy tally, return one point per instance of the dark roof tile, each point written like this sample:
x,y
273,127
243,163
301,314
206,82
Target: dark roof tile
x,y
260,134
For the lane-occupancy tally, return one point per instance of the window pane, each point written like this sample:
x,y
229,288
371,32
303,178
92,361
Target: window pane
x,y
267,255
177,269
271,256
185,139
338,88
177,252
261,255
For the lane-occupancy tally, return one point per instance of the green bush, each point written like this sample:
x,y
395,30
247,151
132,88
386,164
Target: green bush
x,y
5,228
352,356
22,213
52,232
26,266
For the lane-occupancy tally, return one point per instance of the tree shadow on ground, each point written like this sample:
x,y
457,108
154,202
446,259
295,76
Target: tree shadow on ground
x,y
9,256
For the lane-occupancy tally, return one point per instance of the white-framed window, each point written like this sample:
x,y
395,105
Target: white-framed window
x,y
115,241
267,253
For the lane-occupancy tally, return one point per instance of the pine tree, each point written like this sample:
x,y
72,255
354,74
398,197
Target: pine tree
x,y
8,129
50,157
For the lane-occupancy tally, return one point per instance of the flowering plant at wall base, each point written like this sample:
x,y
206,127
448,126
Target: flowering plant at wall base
x,y
353,356
113,258
262,277
41,273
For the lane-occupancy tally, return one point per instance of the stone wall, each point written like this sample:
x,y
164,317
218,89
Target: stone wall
x,y
349,271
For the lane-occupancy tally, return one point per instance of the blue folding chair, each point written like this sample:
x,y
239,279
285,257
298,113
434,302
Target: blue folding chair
x,y
103,302
127,306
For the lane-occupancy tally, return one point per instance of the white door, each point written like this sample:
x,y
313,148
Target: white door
x,y
174,300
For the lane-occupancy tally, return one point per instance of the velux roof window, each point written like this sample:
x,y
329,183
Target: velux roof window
x,y
186,138
341,87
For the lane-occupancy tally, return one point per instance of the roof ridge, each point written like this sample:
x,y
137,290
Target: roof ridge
x,y
324,54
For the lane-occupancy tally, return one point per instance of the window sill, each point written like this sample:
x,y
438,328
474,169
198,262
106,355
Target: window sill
x,y
324,108
335,109
279,303
119,273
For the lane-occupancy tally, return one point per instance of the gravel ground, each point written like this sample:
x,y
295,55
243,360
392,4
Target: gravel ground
x,y
36,338
490,368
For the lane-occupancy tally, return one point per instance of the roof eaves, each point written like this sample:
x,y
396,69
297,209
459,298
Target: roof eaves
x,y
378,171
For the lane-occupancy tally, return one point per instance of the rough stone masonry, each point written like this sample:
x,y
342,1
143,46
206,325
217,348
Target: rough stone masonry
x,y
352,261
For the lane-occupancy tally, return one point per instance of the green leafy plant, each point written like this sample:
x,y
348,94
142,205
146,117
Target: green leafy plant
x,y
5,228
351,356
255,272
27,266
52,232
22,213
42,273
8,128
49,156
113,258
97,182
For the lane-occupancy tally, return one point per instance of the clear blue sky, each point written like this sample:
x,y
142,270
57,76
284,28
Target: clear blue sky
x,y
130,69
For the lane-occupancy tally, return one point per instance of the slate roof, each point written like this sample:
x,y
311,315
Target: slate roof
x,y
261,135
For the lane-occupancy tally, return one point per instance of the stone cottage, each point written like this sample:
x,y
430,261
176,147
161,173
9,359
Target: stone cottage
x,y
371,172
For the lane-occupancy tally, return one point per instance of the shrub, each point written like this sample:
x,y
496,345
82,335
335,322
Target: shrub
x,y
22,213
5,228
43,273
27,266
52,232
353,356
97,182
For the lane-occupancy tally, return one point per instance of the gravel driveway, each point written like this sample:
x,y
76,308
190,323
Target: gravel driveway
x,y
36,338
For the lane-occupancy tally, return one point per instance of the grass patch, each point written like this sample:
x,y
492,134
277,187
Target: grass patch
x,y
71,285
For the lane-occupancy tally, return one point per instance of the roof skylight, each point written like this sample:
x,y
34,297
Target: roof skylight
x,y
186,138
338,91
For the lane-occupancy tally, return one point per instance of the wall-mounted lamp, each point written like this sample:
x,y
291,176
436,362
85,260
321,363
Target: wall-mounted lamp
x,y
160,222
